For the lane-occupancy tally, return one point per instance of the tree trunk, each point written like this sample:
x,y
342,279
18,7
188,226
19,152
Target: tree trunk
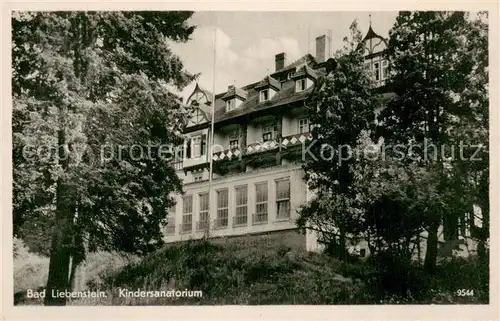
x,y
432,247
61,247
62,238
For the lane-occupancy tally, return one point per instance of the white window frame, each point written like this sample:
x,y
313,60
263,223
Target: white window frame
x,y
385,70
232,146
196,147
261,205
304,125
170,228
300,84
283,200
204,208
264,95
269,129
241,205
187,214
222,218
198,177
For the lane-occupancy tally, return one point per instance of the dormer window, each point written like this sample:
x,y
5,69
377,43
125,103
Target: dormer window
x,y
264,95
234,97
230,104
267,88
300,85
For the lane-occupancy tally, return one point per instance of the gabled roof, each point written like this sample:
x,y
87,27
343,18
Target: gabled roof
x,y
268,82
305,71
306,59
250,92
234,91
199,89
372,34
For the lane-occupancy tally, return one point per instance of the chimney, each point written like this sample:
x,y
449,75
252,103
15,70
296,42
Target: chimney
x,y
321,48
280,60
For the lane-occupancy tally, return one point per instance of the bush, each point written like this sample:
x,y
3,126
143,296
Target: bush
x,y
30,270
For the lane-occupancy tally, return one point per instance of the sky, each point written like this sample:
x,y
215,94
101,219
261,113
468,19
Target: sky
x,y
246,42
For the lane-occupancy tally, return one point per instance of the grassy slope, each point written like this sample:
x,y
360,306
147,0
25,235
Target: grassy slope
x,y
249,271
237,273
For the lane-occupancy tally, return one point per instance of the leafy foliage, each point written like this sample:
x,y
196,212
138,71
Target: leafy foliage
x,y
343,105
438,64
87,88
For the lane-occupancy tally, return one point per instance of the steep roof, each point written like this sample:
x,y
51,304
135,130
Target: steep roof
x,y
268,81
305,71
200,89
371,35
250,93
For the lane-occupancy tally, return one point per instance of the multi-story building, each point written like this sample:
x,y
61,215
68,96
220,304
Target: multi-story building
x,y
260,131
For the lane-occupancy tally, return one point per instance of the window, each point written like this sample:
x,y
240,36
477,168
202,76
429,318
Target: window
x,y
269,132
170,228
283,199
300,85
233,144
198,177
241,217
187,213
264,95
203,223
376,71
304,125
260,215
385,69
362,252
198,146
230,104
222,208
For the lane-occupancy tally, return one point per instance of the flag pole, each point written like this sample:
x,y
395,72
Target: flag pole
x,y
211,140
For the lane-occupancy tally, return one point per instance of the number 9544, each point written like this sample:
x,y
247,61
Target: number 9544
x,y
465,292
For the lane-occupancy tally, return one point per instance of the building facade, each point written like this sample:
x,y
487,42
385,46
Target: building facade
x,y
260,132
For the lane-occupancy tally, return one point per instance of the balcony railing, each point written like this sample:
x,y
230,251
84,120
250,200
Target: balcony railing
x,y
259,147
228,154
177,165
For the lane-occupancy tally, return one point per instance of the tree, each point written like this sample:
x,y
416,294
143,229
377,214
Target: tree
x,y
342,105
87,87
432,60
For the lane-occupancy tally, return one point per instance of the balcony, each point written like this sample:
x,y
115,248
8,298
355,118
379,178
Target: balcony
x,y
228,154
260,147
